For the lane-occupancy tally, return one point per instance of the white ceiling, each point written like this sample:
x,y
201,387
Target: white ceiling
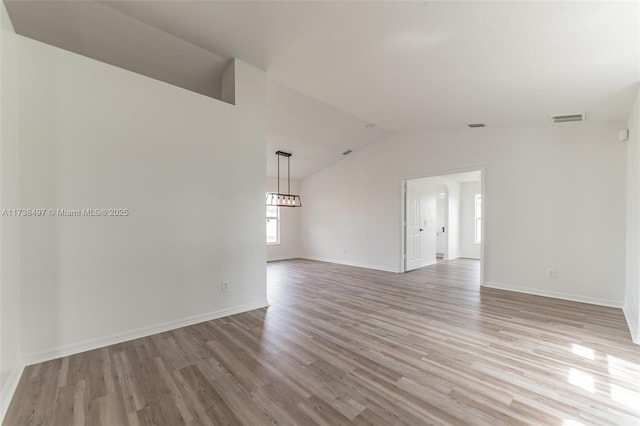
x,y
102,33
335,66
316,134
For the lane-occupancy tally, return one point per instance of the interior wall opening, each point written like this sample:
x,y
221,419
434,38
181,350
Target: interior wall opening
x,y
443,221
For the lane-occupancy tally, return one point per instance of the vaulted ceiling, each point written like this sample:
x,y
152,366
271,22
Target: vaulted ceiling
x,y
343,74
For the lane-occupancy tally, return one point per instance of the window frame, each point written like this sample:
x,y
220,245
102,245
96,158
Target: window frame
x,y
477,226
275,217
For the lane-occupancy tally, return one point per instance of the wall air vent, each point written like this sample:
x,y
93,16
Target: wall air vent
x,y
474,125
565,118
347,152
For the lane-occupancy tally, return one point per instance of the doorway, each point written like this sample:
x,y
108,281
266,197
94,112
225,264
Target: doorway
x,y
442,219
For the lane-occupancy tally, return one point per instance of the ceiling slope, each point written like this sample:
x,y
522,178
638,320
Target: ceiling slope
x,y
409,66
401,66
99,32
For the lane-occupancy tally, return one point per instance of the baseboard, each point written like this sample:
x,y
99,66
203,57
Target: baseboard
x,y
429,263
6,395
112,339
555,295
344,262
277,258
632,323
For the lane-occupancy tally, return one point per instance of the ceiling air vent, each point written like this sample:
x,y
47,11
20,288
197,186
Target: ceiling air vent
x,y
347,152
565,118
474,125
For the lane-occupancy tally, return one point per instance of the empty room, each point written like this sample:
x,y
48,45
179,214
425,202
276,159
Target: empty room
x,y
319,213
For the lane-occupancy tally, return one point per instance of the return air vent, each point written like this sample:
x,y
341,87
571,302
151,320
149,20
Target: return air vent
x,y
565,118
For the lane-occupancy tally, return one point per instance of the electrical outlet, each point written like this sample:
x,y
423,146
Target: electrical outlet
x,y
225,286
552,273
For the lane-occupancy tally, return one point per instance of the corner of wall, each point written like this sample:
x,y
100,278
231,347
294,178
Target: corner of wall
x,y
228,91
632,269
9,388
12,365
5,20
632,323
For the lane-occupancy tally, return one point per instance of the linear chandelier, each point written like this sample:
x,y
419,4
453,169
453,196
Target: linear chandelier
x,y
288,199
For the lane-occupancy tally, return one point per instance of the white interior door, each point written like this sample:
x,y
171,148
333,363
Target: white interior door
x,y
413,231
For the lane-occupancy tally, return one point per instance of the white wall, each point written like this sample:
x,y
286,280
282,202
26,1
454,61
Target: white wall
x,y
189,168
10,359
289,247
547,192
347,216
468,248
632,294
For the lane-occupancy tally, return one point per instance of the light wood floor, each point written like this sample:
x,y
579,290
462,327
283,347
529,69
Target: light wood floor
x,y
345,345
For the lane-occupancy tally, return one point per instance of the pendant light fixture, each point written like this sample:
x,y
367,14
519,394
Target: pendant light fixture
x,y
288,199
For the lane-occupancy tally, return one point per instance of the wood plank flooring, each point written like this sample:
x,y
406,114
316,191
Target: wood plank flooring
x,y
342,345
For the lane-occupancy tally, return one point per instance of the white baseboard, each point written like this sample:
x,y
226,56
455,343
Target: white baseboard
x,y
429,263
112,339
555,295
277,258
344,262
8,390
632,323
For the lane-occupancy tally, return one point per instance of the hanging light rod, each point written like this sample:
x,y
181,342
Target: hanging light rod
x,y
280,199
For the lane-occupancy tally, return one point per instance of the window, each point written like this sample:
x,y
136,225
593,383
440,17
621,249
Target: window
x,y
478,234
273,225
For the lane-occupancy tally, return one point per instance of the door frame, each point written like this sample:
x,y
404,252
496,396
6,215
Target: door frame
x,y
483,186
446,222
